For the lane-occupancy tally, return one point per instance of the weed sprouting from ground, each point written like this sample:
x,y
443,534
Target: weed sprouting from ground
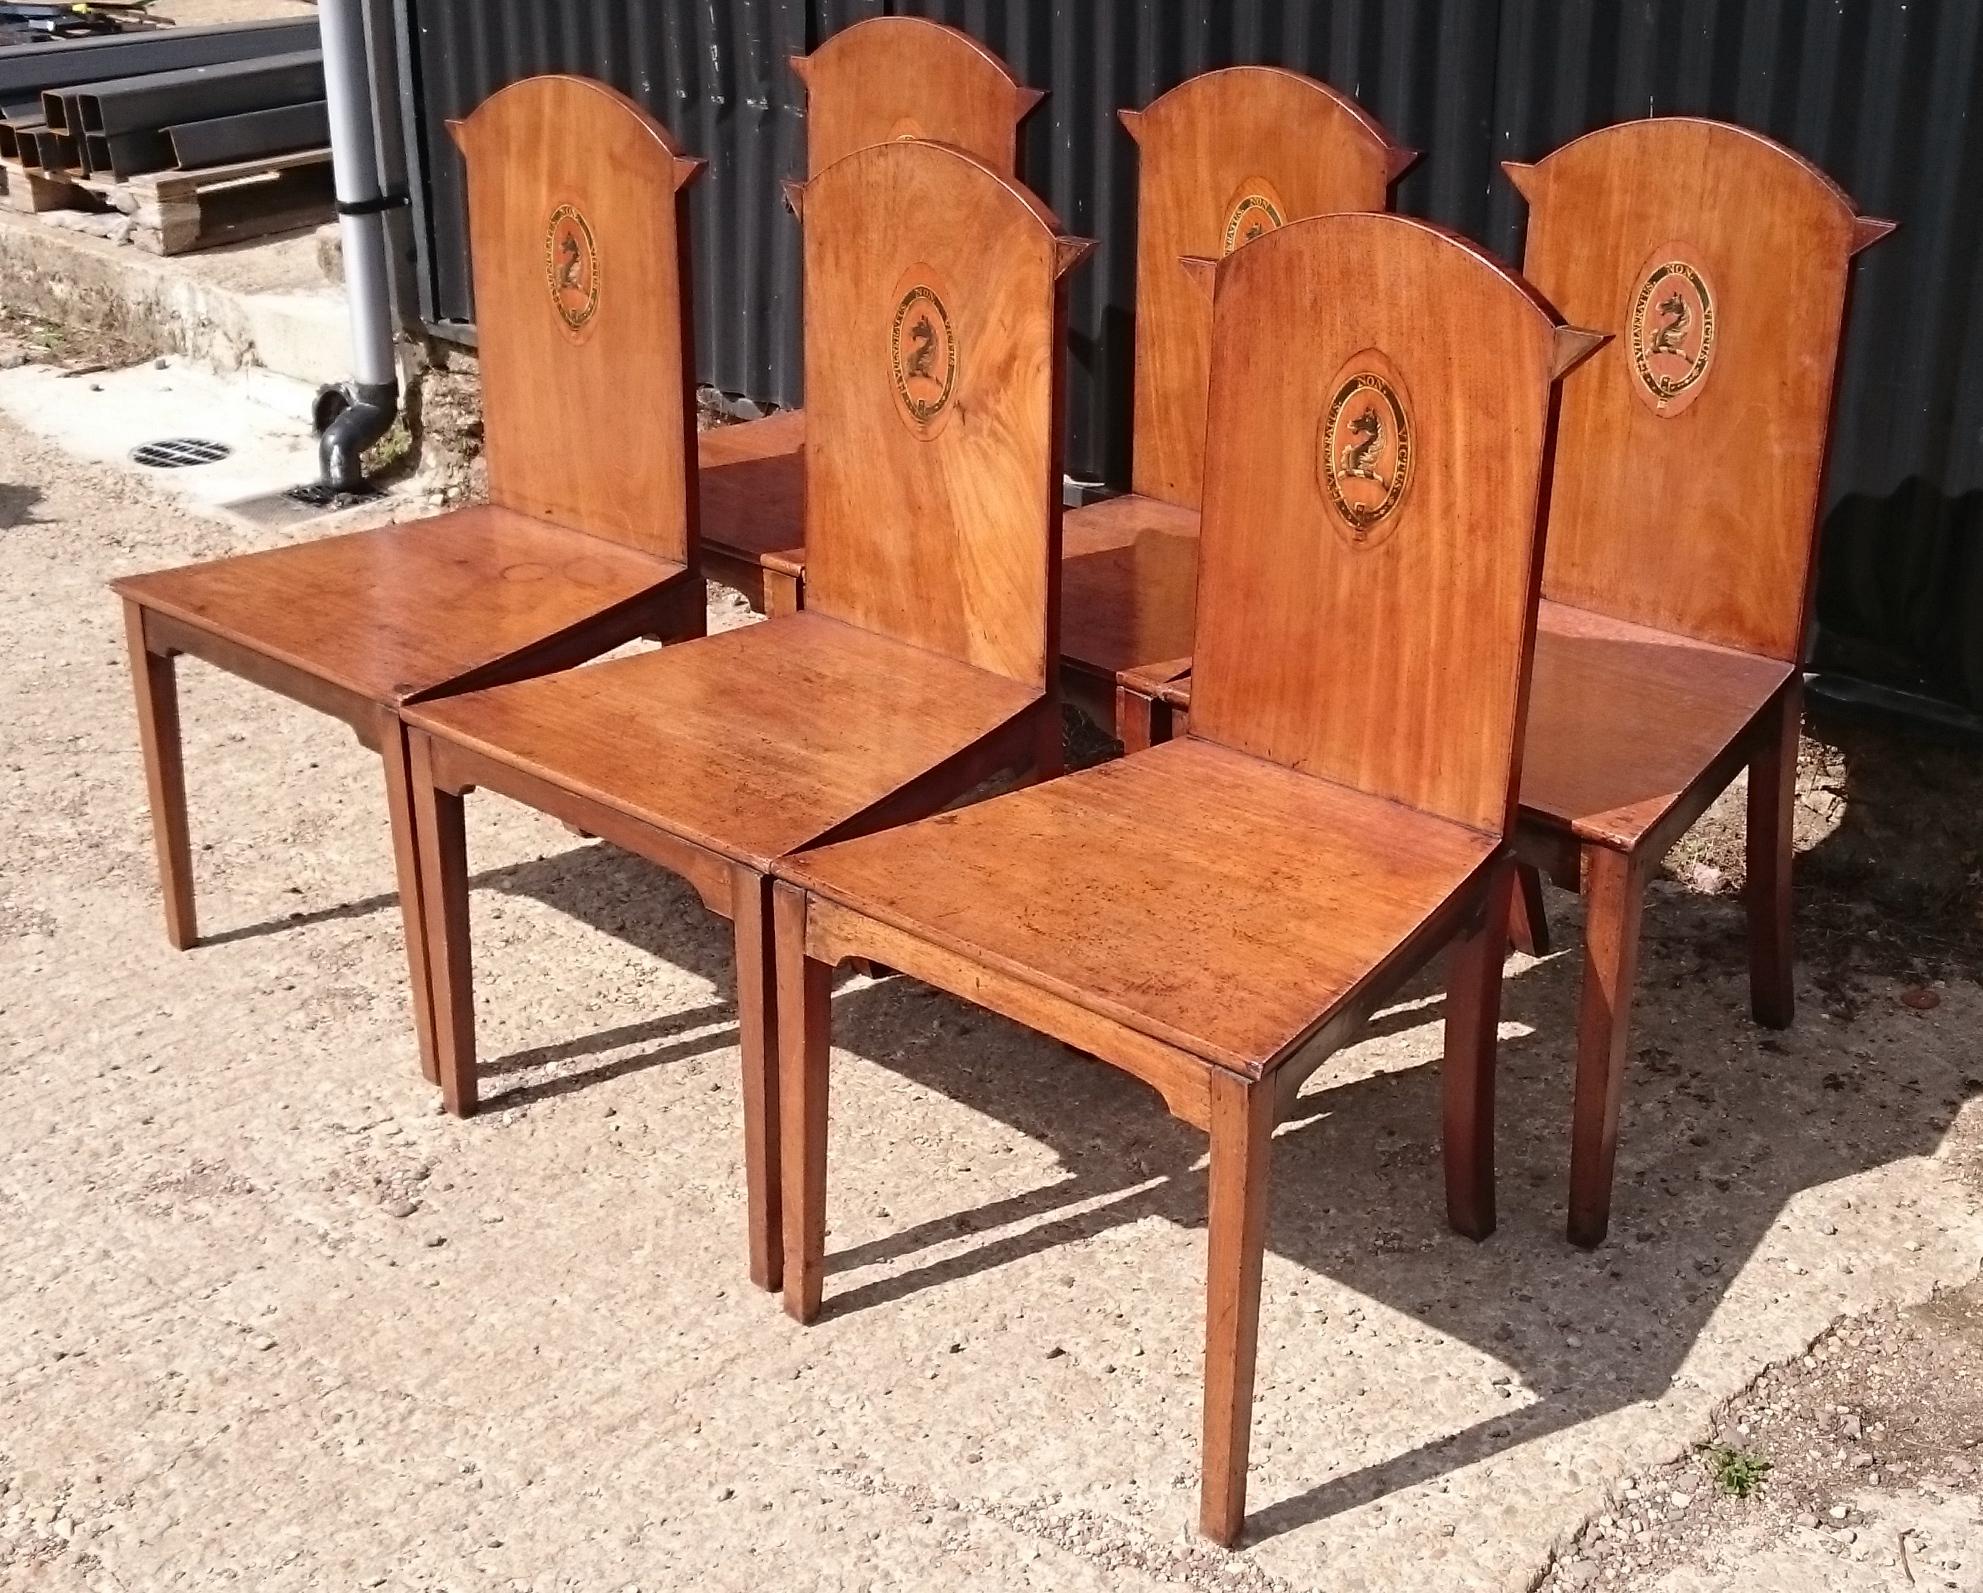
x,y
1735,1472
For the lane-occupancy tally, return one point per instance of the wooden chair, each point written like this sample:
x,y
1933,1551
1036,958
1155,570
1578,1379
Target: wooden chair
x,y
1682,528
1217,914
919,666
884,78
588,539
1224,157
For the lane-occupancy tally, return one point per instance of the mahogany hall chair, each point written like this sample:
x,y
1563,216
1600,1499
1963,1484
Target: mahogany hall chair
x,y
920,663
1217,914
579,246
1681,541
1223,158
884,78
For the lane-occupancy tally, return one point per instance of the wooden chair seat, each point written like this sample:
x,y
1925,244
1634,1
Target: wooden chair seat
x,y
1214,901
1129,582
1624,720
748,743
753,484
393,613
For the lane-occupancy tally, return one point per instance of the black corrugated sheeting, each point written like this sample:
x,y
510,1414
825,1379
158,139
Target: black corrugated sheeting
x,y
1882,93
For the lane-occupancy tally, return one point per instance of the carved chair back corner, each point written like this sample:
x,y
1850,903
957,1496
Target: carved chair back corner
x,y
1223,158
896,77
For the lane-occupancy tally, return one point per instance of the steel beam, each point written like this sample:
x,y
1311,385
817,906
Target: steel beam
x,y
51,152
125,154
30,68
219,140
161,99
12,128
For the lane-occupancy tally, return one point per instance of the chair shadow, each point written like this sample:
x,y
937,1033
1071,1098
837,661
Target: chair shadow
x,y
1724,1123
17,502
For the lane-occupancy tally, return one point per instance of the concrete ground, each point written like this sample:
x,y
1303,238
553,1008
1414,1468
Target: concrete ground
x,y
268,1320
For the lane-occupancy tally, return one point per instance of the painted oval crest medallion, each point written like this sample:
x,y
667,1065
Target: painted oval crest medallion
x,y
1365,451
571,265
1255,210
922,353
1672,333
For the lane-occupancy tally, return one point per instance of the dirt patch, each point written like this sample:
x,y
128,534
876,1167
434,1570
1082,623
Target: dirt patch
x,y
1865,1453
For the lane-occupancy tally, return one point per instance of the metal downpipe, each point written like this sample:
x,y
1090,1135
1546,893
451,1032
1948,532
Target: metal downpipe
x,y
357,413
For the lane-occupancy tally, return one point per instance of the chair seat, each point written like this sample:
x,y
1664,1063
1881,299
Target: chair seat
x,y
750,743
754,491
1624,720
1129,584
1217,902
395,612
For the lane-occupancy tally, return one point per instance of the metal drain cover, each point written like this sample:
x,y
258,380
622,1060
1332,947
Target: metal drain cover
x,y
173,452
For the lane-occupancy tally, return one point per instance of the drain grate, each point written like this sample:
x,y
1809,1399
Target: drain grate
x,y
174,452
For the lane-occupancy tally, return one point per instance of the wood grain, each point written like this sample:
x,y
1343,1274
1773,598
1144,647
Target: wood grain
x,y
1235,1247
979,581
1624,720
155,678
1701,521
1129,584
592,427
1203,147
882,78
1212,901
910,77
391,613
749,743
1418,639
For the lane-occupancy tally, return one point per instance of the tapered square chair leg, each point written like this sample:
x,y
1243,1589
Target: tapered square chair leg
x,y
1473,1015
804,988
157,686
1528,916
1236,1238
1614,896
438,825
757,1035
395,750
1772,805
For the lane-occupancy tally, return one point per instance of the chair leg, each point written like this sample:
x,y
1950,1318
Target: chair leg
x,y
757,1033
1528,923
437,823
803,1038
1473,1015
1614,891
1242,1127
157,684
1140,722
1772,802
782,594
393,749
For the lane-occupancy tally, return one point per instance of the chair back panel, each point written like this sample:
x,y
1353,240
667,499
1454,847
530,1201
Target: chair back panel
x,y
578,231
1691,451
1222,158
909,77
1380,405
933,313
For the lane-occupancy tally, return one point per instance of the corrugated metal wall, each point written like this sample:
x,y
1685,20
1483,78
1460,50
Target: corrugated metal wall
x,y
1881,93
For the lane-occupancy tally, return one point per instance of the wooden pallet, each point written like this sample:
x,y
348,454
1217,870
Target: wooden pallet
x,y
173,212
32,191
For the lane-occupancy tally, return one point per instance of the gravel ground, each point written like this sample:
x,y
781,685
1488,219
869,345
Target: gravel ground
x,y
268,1320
